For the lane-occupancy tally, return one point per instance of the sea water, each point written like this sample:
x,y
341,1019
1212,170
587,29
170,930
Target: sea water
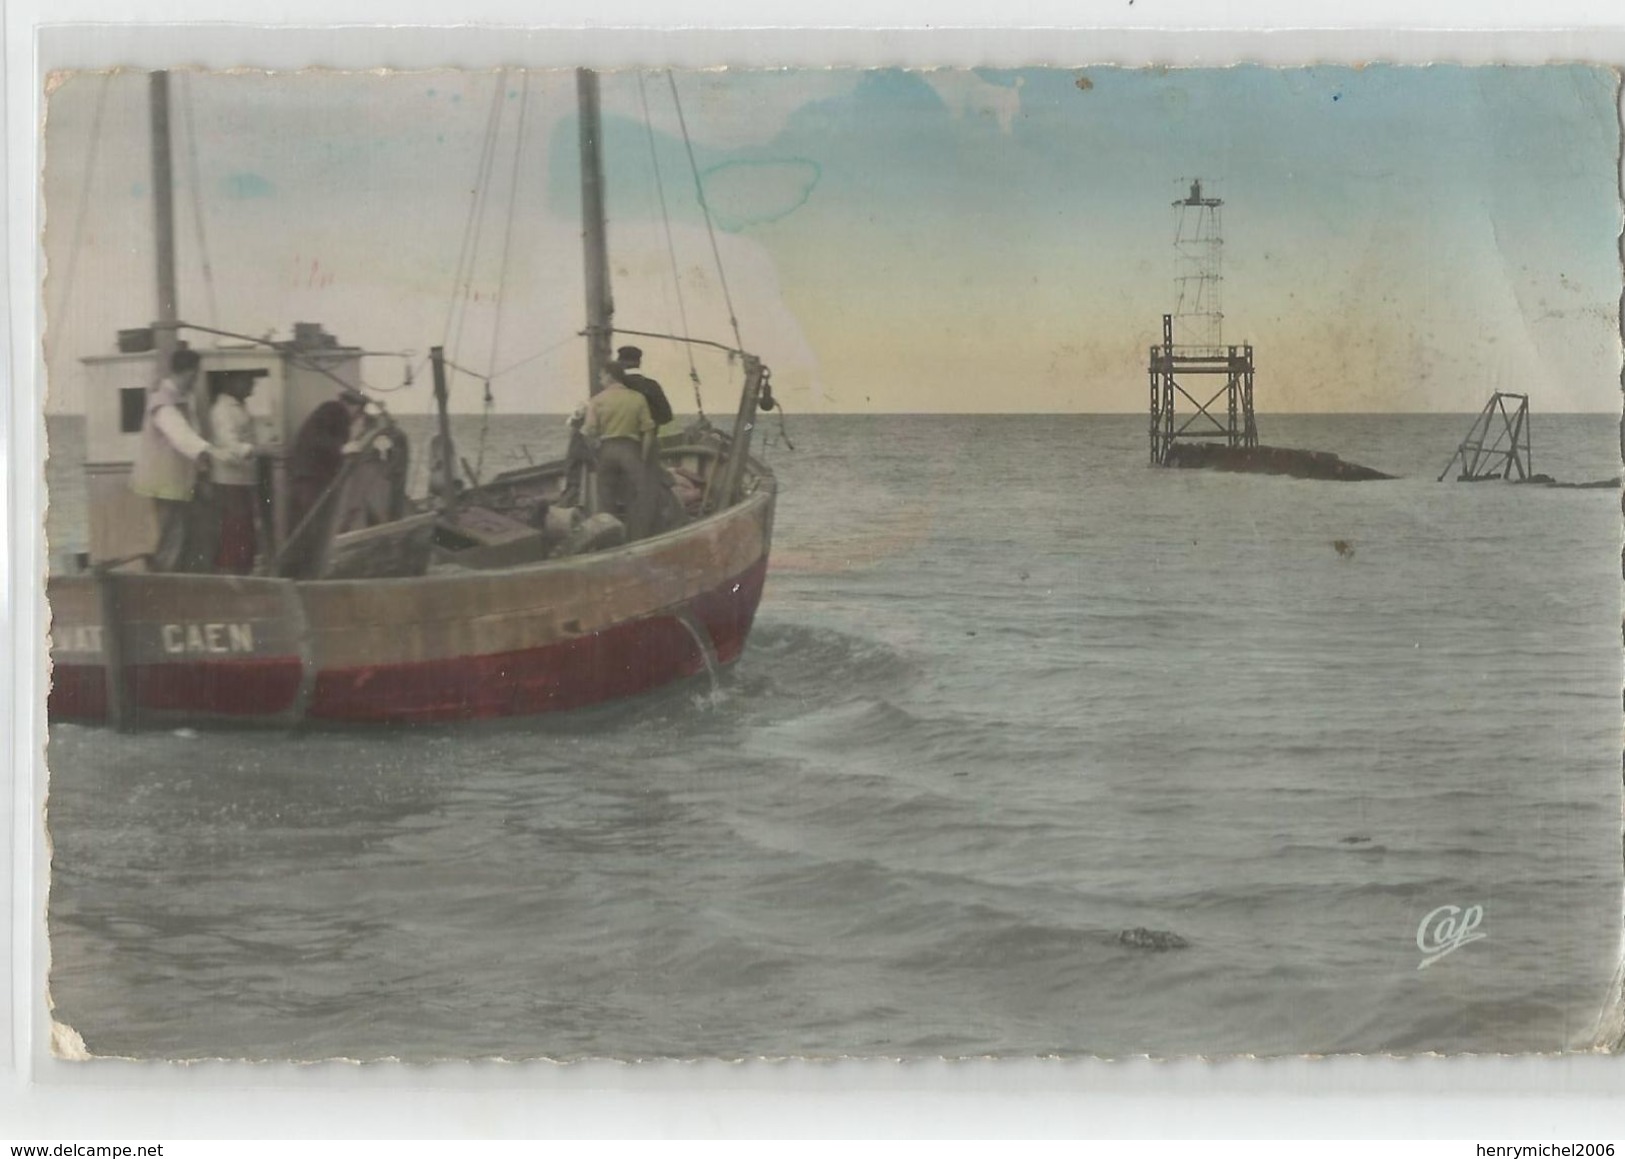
x,y
1010,694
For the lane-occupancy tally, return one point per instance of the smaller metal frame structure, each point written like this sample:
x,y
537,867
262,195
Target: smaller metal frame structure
x,y
1507,454
1167,363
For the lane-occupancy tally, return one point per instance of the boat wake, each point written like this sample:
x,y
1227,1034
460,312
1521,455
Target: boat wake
x,y
820,664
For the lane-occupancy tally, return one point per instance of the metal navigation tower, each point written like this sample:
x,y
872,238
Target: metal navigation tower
x,y
1193,341
1198,273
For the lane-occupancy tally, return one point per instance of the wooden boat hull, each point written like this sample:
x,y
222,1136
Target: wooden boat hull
x,y
464,645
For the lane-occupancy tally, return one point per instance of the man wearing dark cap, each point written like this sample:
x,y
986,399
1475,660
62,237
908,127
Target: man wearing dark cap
x,y
630,358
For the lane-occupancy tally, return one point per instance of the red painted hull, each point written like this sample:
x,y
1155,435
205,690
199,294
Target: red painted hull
x,y
474,647
217,688
618,662
625,660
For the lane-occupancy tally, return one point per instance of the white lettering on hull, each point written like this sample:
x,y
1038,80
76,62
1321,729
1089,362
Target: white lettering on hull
x,y
78,638
207,639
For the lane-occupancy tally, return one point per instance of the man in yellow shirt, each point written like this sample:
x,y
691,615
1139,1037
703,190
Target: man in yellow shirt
x,y
619,422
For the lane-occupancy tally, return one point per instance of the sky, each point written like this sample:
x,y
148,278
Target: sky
x,y
1395,238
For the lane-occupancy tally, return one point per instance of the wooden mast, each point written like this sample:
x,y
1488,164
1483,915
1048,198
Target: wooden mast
x,y
164,341
442,482
163,208
594,238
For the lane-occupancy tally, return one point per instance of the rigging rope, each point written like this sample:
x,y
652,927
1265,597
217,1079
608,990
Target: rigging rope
x,y
699,192
468,254
289,350
55,324
485,427
409,374
468,251
671,247
502,274
768,402
195,185
532,358
784,427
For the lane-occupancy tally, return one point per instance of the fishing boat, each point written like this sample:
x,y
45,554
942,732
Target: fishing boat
x,y
497,598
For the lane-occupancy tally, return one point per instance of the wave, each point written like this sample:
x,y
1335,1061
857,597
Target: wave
x,y
815,663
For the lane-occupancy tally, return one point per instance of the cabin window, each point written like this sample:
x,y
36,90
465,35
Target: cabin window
x,y
132,407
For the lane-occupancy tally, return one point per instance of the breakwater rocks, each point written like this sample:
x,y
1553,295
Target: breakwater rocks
x,y
1548,481
1299,464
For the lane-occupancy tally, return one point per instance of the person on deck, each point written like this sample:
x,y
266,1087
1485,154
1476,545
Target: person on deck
x,y
661,509
318,452
236,482
618,419
171,468
630,358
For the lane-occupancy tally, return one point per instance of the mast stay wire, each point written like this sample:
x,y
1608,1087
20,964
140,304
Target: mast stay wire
x,y
710,229
671,247
502,275
195,186
512,366
468,252
289,351
54,324
653,191
705,207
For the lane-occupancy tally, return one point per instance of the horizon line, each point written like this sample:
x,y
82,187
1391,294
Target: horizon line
x,y
979,414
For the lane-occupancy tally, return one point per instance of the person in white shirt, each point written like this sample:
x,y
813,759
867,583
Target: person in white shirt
x,y
236,478
168,461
